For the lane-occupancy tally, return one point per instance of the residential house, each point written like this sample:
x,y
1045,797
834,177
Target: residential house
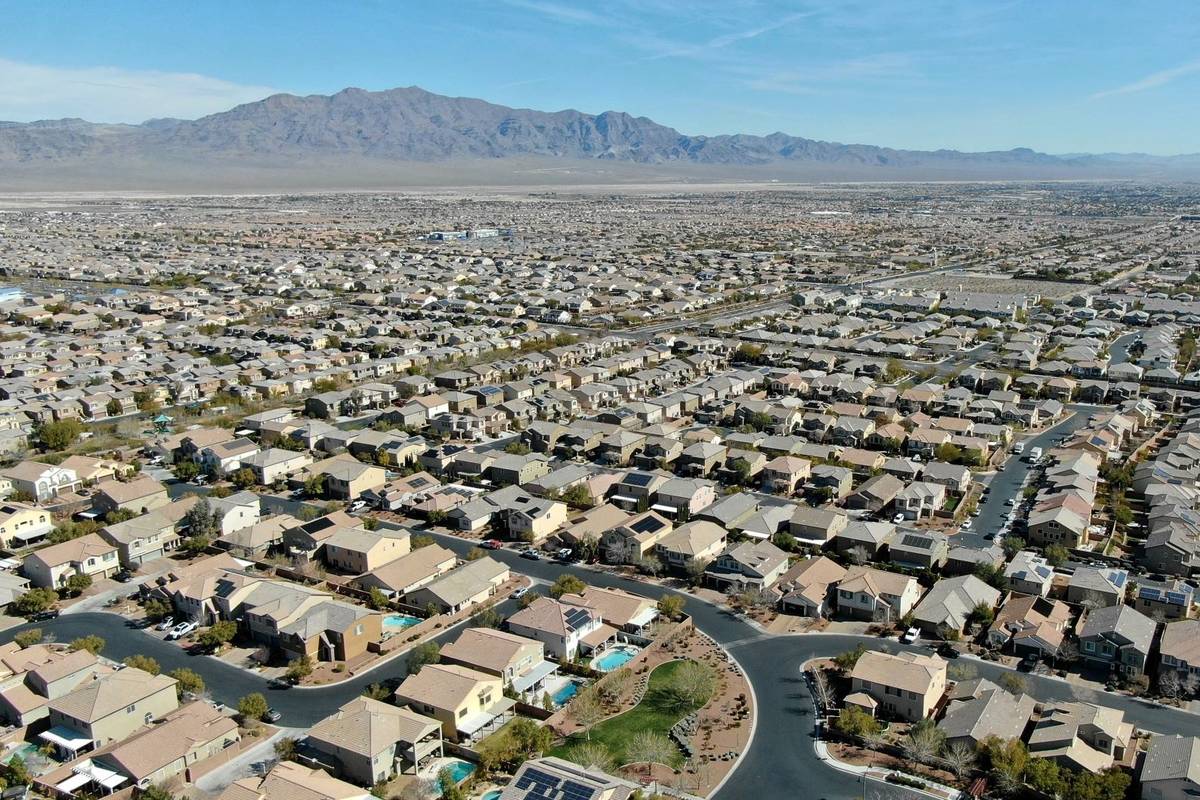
x,y
877,595
635,539
1119,636
180,740
520,662
979,709
469,704
367,741
907,686
565,630
696,542
42,482
108,708
21,524
1081,736
358,550
90,555
472,583
1030,624
807,587
1171,768
947,608
139,495
406,574
746,565
1029,573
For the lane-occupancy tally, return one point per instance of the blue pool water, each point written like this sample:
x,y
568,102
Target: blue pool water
x,y
494,794
394,623
615,658
563,695
459,772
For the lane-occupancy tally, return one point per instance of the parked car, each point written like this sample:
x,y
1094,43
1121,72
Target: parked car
x,y
182,629
898,519
520,592
911,636
272,715
1028,663
124,576
166,624
531,554
357,505
41,616
565,554
491,544
966,526
946,650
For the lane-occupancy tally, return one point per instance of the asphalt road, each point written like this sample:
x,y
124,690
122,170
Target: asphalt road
x,y
781,753
1009,481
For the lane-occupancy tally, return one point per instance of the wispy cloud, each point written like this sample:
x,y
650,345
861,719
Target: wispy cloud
x,y
559,12
1152,81
668,49
820,77
114,94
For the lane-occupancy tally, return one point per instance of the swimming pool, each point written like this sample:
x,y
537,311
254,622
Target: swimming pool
x,y
494,794
565,693
459,772
615,658
395,623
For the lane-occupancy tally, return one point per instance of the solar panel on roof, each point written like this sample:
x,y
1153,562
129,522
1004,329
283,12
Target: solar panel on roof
x,y
537,783
1118,579
647,525
922,542
1179,598
576,617
577,791
637,478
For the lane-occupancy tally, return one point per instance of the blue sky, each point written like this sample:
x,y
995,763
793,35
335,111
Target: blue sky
x,y
1055,75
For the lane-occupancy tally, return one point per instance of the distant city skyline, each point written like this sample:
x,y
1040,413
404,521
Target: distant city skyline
x,y
1060,77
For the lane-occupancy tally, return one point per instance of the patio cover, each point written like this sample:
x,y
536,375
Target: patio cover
x,y
474,722
522,682
65,737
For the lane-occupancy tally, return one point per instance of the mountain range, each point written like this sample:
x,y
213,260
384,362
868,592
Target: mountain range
x,y
407,136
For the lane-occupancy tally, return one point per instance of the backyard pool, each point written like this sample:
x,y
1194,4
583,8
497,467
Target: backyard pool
x,y
494,794
565,693
615,658
395,623
459,771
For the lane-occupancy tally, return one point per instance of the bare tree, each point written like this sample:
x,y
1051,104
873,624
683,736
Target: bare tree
x,y
613,685
959,758
692,684
585,710
923,742
962,672
592,755
858,555
649,748
1169,685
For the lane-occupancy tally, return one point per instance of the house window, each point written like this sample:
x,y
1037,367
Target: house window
x,y
358,629
1089,647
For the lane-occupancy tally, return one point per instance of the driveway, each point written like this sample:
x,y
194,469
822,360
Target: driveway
x,y
1010,480
780,754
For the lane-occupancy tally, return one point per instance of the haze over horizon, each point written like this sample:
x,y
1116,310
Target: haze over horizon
x,y
1057,78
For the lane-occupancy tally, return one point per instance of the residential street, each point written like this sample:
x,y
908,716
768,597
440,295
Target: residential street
x,y
781,753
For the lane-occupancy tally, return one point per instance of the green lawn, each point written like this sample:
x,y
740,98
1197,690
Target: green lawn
x,y
655,713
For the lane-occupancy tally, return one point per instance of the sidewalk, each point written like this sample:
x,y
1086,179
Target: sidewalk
x,y
865,773
255,760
